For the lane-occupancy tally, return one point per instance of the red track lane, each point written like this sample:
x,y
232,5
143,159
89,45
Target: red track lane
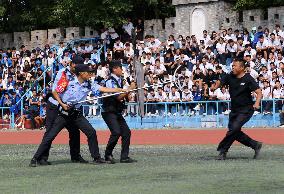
x,y
151,137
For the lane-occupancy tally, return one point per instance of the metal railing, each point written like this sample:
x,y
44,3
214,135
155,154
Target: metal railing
x,y
195,114
198,114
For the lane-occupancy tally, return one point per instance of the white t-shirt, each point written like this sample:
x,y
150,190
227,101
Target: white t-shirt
x,y
128,28
221,48
174,96
187,96
162,98
277,93
266,93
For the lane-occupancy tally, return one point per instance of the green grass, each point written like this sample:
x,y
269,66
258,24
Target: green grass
x,y
162,169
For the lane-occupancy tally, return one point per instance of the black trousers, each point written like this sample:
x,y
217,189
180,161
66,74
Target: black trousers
x,y
236,120
74,133
118,128
61,121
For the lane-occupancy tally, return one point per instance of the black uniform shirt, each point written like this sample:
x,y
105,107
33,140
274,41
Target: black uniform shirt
x,y
240,90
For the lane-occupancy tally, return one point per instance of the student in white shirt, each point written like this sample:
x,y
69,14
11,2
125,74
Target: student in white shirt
x,y
278,94
221,49
118,49
223,95
174,96
250,51
151,100
186,97
267,95
88,47
128,27
161,96
262,46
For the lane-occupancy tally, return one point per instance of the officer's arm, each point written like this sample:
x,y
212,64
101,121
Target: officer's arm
x,y
111,90
125,95
57,97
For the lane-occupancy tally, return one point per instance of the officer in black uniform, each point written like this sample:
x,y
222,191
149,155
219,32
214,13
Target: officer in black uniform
x,y
70,112
112,114
241,85
52,113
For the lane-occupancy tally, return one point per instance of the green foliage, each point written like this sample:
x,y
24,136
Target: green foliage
x,y
22,15
253,4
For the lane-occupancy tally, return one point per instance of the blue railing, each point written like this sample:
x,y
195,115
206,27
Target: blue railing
x,y
48,70
200,114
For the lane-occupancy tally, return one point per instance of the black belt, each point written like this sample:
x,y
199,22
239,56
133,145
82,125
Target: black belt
x,y
73,112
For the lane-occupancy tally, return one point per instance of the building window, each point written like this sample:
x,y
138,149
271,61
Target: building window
x,y
228,20
91,32
163,23
173,25
54,36
251,18
36,37
73,35
265,14
19,38
152,27
276,16
241,16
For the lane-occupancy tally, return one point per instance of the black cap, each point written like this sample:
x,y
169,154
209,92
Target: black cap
x,y
77,60
83,68
115,64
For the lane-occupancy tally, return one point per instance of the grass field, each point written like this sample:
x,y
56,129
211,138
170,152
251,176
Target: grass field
x,y
161,169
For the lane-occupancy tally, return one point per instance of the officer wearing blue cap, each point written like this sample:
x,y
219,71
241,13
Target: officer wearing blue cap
x,y
52,112
70,112
112,115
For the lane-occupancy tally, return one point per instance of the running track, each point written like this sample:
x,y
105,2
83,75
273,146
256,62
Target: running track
x,y
151,137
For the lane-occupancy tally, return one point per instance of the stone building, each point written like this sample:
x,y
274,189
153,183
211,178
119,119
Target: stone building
x,y
39,38
194,16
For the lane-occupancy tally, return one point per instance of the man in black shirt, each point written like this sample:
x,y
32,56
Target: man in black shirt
x,y
241,85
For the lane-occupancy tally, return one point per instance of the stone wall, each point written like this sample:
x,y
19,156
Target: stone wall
x,y
39,38
218,15
154,27
55,36
6,40
22,38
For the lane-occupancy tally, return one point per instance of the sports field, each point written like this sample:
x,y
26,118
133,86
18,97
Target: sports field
x,y
160,169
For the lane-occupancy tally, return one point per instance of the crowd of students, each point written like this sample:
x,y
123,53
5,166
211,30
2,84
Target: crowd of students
x,y
202,61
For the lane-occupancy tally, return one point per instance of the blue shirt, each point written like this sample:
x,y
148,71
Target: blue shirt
x,y
70,77
112,84
77,92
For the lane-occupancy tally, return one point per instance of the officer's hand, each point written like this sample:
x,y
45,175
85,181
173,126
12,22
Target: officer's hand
x,y
132,86
256,106
65,106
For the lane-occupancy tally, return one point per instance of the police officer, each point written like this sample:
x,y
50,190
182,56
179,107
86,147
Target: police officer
x,y
52,112
241,85
112,115
70,112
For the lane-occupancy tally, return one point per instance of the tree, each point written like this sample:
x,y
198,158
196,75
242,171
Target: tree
x,y
253,4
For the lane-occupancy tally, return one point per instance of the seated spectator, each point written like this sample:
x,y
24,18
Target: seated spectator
x,y
34,108
26,115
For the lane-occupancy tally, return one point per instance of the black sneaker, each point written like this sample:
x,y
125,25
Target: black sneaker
x,y
99,161
44,162
127,160
222,156
80,159
257,150
33,163
109,160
